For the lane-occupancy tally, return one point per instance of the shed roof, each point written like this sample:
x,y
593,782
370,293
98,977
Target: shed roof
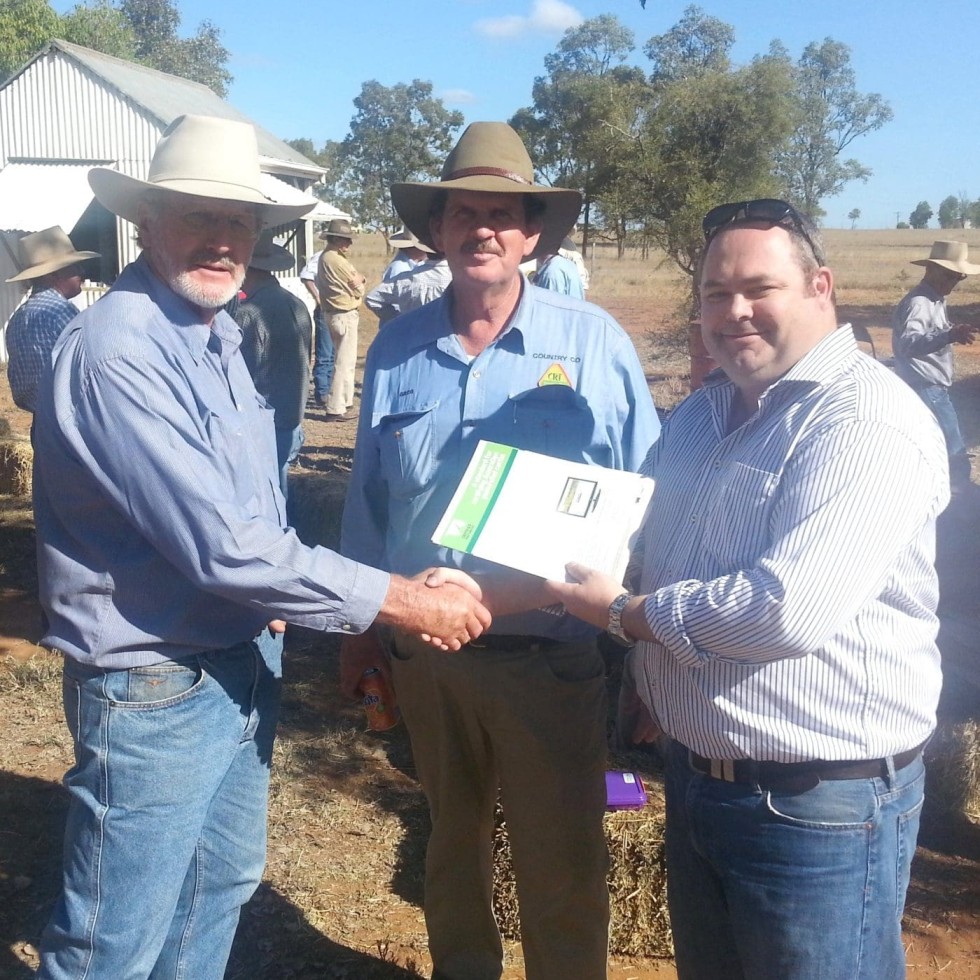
x,y
166,97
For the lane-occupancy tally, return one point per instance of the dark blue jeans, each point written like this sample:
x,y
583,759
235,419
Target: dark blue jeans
x,y
792,885
322,358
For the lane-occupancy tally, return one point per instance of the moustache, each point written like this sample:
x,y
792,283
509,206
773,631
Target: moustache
x,y
206,258
488,247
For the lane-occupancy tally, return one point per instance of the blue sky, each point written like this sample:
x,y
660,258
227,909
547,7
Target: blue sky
x,y
298,68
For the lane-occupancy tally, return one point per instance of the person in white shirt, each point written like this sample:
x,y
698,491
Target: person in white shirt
x,y
785,622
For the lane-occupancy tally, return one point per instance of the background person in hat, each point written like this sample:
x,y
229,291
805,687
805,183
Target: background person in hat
x,y
422,284
786,623
922,341
277,334
411,254
322,344
523,711
341,289
164,563
51,264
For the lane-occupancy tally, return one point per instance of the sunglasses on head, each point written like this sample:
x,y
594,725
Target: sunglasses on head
x,y
766,210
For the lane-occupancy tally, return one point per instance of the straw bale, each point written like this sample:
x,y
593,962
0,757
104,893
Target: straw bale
x,y
16,464
953,768
639,924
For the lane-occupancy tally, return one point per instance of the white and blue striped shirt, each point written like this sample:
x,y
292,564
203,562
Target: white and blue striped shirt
x,y
790,566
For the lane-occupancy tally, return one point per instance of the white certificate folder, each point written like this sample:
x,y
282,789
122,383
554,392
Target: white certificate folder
x,y
536,513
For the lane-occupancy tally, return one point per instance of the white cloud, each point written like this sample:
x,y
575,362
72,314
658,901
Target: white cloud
x,y
457,96
546,17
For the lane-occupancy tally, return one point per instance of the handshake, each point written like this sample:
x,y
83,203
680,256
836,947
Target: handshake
x,y
443,606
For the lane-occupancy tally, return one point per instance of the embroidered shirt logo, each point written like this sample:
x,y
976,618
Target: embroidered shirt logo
x,y
555,375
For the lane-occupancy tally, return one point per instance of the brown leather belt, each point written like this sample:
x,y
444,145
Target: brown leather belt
x,y
797,775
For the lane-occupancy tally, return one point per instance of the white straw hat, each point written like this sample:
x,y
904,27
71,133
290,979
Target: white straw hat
x,y
202,155
950,255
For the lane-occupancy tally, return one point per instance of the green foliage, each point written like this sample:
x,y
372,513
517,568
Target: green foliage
x,y
101,27
201,58
949,212
831,114
398,133
919,218
144,31
696,45
25,27
853,216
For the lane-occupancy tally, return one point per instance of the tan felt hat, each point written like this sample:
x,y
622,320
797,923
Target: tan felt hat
x,y
950,255
47,251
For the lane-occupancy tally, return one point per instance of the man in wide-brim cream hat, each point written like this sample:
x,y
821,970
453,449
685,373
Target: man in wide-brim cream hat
x,y
922,341
496,358
166,570
53,266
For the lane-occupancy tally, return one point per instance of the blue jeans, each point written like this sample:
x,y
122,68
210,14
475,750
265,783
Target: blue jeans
x,y
165,837
805,885
288,444
322,358
938,400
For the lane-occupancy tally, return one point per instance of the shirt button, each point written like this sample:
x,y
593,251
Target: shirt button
x,y
476,375
347,628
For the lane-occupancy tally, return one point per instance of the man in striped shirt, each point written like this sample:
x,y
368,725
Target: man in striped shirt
x,y
786,623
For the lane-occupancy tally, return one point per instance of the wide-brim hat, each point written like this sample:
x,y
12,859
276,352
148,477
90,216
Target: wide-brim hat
x,y
201,155
403,238
950,255
337,228
490,158
44,252
269,256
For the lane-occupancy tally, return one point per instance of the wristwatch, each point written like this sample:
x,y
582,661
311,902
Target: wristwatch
x,y
615,625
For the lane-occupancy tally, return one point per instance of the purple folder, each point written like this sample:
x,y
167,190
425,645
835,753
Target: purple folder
x,y
624,791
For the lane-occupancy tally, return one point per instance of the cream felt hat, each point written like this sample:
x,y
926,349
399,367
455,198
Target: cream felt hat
x,y
950,255
403,238
269,256
43,252
202,155
489,157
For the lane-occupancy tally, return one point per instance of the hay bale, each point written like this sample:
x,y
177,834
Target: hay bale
x,y
16,466
953,768
639,924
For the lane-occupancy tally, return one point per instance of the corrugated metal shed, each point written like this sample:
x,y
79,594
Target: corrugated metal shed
x,y
72,108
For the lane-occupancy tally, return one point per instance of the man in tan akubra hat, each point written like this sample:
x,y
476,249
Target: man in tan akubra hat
x,y
523,709
166,569
922,341
53,266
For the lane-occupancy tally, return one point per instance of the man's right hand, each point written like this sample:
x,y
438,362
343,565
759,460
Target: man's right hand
x,y
964,333
448,616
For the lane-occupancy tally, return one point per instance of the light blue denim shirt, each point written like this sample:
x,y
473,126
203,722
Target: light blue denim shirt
x,y
563,379
160,525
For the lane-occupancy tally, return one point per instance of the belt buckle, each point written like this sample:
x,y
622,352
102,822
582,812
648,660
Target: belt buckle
x,y
722,769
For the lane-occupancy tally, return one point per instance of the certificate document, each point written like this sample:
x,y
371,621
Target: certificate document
x,y
536,513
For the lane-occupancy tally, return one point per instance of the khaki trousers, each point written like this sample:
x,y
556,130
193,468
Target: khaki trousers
x,y
531,723
343,333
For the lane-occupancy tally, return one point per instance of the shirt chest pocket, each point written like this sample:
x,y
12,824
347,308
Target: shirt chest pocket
x,y
552,419
407,446
245,460
737,515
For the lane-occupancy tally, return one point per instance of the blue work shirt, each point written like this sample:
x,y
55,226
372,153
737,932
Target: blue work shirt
x,y
563,379
160,526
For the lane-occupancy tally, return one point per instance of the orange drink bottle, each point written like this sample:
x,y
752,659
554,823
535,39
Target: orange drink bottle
x,y
379,701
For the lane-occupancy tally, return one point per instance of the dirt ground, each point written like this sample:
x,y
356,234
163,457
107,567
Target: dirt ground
x,y
347,825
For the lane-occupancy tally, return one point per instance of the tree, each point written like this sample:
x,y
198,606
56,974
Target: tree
x,y
949,212
919,218
398,133
696,44
831,114
587,94
101,27
25,27
201,58
853,216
